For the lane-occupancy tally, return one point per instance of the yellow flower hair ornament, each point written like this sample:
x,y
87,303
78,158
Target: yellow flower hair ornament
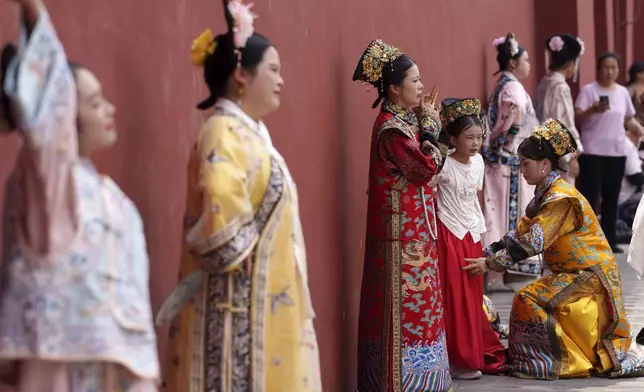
x,y
202,47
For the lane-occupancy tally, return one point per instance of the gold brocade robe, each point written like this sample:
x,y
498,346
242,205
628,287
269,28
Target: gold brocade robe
x,y
571,323
249,326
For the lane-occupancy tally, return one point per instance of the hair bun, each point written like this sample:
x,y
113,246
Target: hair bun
x,y
7,116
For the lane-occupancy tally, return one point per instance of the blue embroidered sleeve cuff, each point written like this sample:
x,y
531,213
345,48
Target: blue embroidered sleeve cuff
x,y
526,245
499,261
430,124
229,256
495,247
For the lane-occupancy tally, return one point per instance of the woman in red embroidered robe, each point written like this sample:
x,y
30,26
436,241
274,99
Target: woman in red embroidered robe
x,y
401,333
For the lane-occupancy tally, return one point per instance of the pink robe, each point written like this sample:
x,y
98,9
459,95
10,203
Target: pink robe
x,y
75,312
505,193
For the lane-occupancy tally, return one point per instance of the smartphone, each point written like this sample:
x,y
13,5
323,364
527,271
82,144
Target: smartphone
x,y
604,99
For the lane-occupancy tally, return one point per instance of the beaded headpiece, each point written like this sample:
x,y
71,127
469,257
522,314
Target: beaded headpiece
x,y
557,135
375,57
456,109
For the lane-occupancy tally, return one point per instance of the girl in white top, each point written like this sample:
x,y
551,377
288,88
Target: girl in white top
x,y
473,346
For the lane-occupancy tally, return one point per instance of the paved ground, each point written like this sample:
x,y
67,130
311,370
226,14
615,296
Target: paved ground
x,y
634,300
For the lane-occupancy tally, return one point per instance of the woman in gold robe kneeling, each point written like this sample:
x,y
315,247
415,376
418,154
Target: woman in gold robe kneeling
x,y
571,323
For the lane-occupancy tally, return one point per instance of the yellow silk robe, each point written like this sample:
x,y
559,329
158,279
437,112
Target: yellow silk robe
x,y
248,326
571,323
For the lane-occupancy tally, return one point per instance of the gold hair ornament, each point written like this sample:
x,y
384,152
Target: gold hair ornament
x,y
202,47
557,135
461,108
378,54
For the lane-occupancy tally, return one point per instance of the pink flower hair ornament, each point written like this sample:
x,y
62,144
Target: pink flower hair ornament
x,y
583,46
498,41
514,45
556,43
243,22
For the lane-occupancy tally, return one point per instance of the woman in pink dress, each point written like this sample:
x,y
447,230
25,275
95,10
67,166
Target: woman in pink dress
x,y
505,193
75,312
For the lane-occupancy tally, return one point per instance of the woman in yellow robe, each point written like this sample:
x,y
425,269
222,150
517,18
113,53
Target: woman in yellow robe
x,y
245,321
571,323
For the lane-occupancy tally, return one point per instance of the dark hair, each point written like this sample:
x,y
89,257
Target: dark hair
x,y
558,64
75,67
570,51
219,66
462,124
9,51
538,150
635,69
393,74
504,53
502,59
606,56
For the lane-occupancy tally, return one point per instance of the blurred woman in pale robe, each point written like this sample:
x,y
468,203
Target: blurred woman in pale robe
x,y
75,311
505,193
554,99
246,319
636,251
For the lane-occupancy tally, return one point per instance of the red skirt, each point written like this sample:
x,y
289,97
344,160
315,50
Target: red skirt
x,y
471,342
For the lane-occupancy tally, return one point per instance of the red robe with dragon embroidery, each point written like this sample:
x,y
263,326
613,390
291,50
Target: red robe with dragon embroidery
x,y
401,331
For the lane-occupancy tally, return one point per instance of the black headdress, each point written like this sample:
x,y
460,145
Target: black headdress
x,y
369,69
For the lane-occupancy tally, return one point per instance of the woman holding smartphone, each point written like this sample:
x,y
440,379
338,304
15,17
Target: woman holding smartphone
x,y
603,109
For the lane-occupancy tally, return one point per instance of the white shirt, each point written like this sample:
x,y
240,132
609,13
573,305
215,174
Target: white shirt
x,y
458,204
633,166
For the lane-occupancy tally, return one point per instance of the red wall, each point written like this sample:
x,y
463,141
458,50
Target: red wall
x,y
637,20
139,50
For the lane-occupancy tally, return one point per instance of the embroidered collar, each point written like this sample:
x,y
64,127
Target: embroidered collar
x,y
547,182
403,114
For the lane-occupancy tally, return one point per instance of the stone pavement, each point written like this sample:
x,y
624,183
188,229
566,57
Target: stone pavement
x,y
634,300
